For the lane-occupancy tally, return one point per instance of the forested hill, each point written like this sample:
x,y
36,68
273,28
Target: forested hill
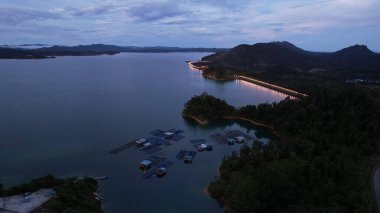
x,y
10,53
6,52
285,64
115,48
323,161
284,56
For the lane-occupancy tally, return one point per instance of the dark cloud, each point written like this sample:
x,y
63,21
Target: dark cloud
x,y
12,16
225,33
155,11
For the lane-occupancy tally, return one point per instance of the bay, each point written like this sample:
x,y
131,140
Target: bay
x,y
62,116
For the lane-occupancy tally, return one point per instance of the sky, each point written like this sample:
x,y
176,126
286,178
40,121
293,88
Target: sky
x,y
319,25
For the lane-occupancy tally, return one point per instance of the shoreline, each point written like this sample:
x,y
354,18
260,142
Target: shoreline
x,y
213,77
267,85
249,120
195,118
253,122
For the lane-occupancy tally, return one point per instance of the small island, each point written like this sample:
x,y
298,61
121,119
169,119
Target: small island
x,y
204,108
50,194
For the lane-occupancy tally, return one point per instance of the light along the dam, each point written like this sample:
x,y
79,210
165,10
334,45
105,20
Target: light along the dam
x,y
202,65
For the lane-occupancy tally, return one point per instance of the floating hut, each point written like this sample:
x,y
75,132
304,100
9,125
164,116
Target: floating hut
x,y
240,139
145,164
204,147
145,145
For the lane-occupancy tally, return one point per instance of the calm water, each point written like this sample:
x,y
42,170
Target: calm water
x,y
62,116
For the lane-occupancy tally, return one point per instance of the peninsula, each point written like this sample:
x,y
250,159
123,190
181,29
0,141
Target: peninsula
x,y
319,163
285,65
328,144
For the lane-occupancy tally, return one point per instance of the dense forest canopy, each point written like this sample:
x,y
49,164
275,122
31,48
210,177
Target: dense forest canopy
x,y
285,64
72,195
207,107
322,163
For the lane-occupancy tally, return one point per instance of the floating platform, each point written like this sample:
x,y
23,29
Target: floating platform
x,y
171,134
153,172
156,141
229,135
201,145
157,161
238,133
198,141
219,138
123,147
157,132
186,155
175,138
151,149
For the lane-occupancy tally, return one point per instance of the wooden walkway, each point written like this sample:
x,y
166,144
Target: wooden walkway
x,y
123,147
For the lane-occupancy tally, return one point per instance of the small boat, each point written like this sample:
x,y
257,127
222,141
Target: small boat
x,y
161,172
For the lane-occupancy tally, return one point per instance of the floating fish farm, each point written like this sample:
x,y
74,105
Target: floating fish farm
x,y
155,163
230,135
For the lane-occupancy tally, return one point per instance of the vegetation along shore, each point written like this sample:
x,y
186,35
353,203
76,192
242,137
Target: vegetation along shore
x,y
329,145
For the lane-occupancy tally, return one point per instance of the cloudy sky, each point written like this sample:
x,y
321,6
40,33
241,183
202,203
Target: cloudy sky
x,y
311,24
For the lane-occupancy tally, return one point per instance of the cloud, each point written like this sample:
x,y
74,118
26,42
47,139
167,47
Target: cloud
x,y
155,11
209,22
91,10
12,16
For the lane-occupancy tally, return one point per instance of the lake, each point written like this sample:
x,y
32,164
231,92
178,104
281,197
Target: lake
x,y
62,116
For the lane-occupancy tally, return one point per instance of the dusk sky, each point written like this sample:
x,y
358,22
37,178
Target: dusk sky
x,y
321,25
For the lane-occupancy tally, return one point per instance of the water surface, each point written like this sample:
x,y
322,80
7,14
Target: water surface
x,y
62,116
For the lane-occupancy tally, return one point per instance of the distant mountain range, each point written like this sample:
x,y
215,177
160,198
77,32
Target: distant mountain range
x,y
43,51
286,57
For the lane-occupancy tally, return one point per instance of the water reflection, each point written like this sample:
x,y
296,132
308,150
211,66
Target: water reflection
x,y
259,88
